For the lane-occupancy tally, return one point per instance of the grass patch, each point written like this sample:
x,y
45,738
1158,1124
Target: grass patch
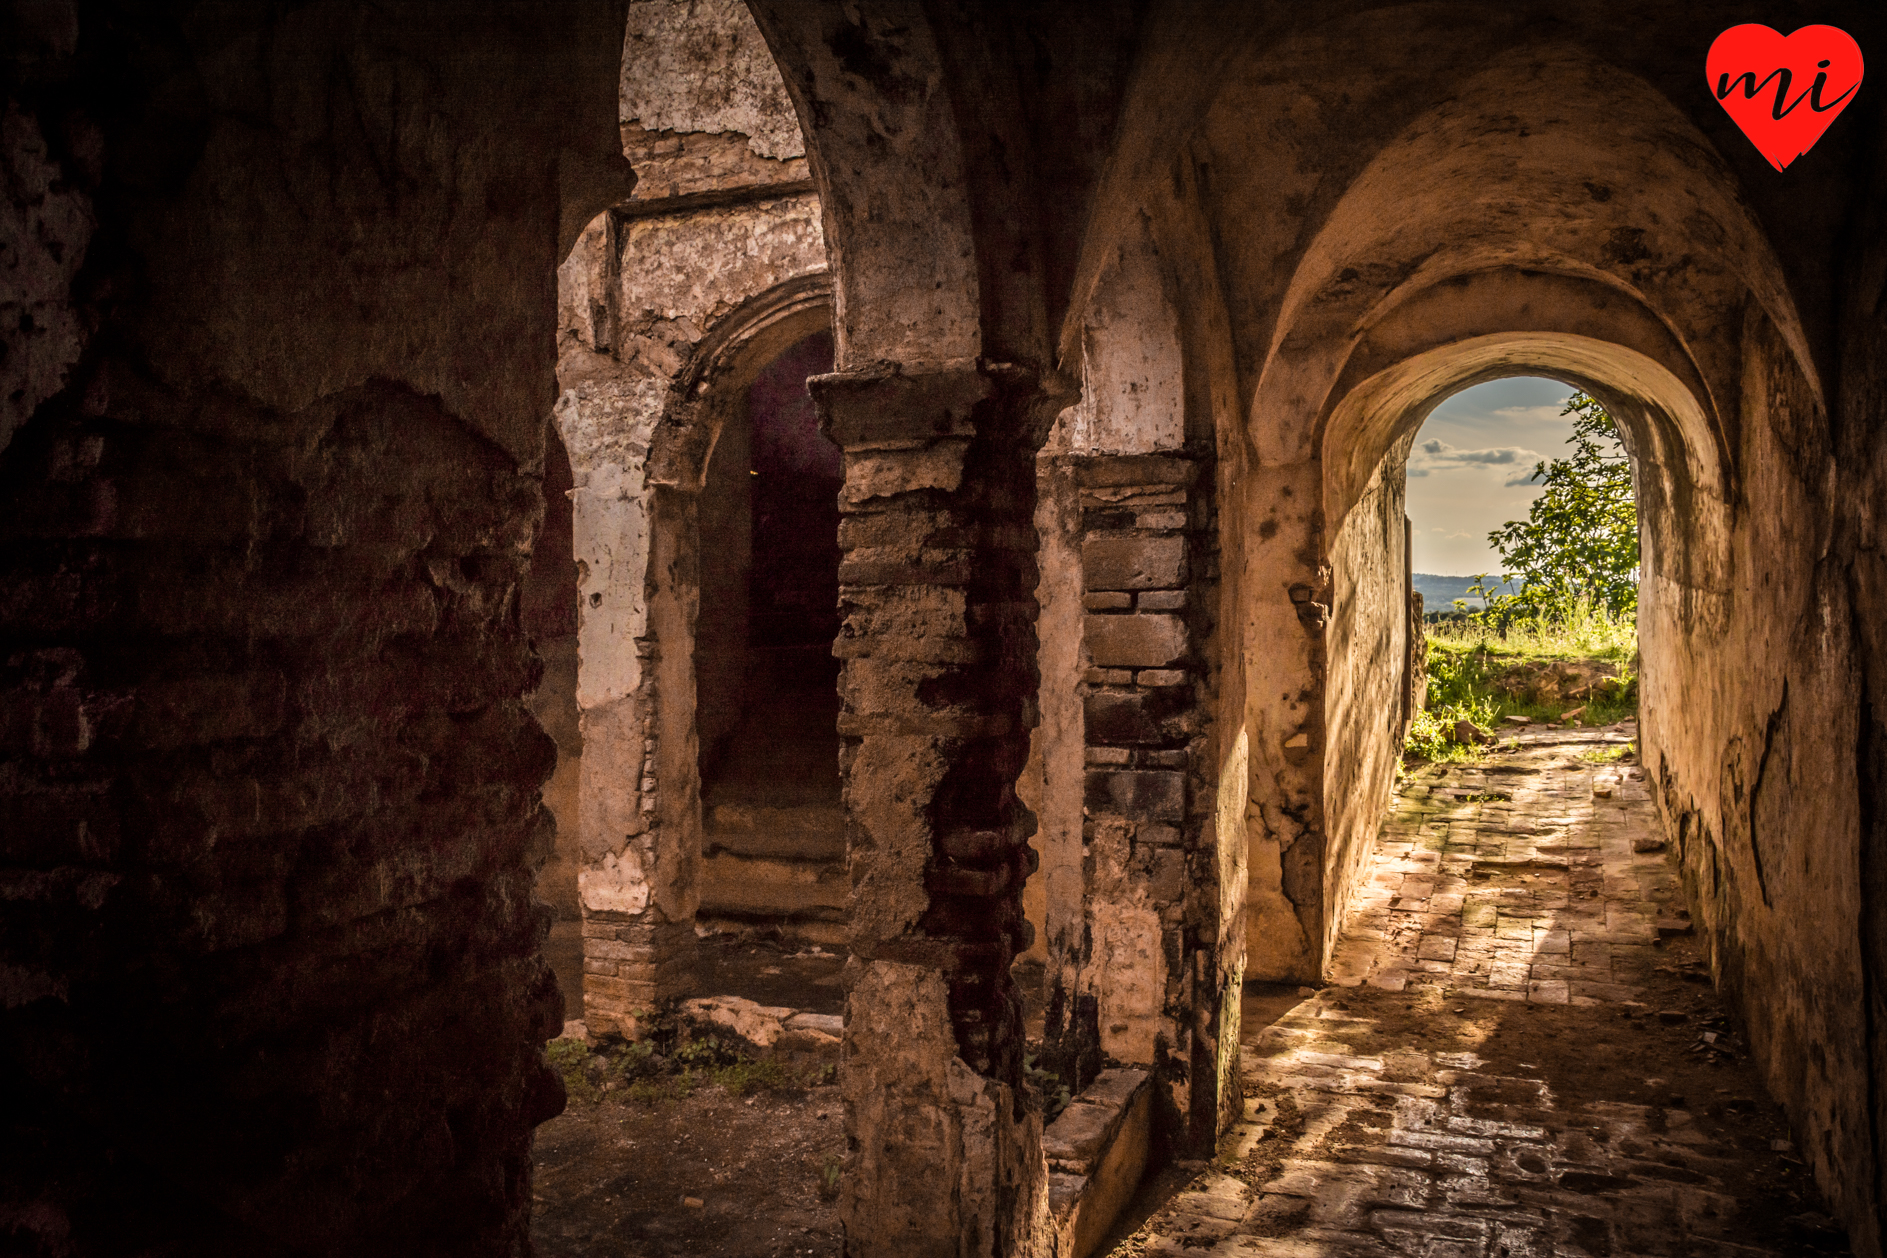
x,y
1585,633
1609,755
765,1075
1583,667
654,1070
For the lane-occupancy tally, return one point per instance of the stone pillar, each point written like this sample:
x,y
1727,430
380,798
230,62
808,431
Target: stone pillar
x,y
938,687
638,788
1152,974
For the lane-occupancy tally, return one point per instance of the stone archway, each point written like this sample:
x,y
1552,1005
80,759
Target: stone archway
x,y
1684,503
1579,250
640,820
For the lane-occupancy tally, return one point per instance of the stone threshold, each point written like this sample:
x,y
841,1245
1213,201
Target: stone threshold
x,y
1097,1151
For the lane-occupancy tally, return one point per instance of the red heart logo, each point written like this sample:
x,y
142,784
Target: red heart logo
x,y
1783,92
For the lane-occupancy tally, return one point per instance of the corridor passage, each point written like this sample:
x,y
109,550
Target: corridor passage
x,y
1520,1054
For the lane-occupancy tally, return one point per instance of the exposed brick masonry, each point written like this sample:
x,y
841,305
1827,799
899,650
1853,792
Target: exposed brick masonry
x,y
1148,566
939,649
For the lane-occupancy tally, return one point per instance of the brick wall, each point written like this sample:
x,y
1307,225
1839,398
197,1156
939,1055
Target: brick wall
x,y
1148,978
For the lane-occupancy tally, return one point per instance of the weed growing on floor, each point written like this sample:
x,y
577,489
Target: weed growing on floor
x,y
742,1077
829,1179
642,1073
571,1059
705,1053
1609,755
1431,734
1048,1086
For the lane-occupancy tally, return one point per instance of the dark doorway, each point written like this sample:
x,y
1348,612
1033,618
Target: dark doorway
x,y
767,684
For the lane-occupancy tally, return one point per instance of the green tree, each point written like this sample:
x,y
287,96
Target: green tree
x,y
1579,542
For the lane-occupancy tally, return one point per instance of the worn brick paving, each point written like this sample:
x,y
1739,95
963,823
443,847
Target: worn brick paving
x,y
1508,1062
1517,879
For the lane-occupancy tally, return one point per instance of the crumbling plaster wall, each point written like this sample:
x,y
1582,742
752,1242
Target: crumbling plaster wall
x,y
1367,641
548,610
1111,959
940,400
269,961
675,278
1749,721
45,224
1140,890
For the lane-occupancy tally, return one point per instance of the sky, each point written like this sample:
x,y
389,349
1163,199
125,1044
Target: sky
x,y
1468,470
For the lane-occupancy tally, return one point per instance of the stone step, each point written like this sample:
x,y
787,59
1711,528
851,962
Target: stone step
x,y
789,785
790,833
801,846
794,931
749,887
798,901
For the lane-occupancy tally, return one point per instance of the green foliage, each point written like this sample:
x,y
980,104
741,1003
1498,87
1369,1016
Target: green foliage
x,y
1609,755
1581,632
571,1060
1456,692
829,1175
1048,1085
1573,567
741,1077
705,1053
1429,733
1578,545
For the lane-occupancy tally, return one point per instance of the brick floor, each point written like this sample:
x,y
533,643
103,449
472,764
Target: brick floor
x,y
1514,1057
1534,876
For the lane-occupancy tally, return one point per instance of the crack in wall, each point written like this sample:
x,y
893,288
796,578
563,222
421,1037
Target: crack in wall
x,y
1770,727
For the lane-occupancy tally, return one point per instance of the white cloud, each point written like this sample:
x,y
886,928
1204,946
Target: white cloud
x,y
1436,455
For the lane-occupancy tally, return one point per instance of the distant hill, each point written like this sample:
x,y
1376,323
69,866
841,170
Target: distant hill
x,y
1439,593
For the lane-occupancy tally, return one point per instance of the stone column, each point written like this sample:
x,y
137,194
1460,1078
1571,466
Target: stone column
x,y
938,688
638,788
